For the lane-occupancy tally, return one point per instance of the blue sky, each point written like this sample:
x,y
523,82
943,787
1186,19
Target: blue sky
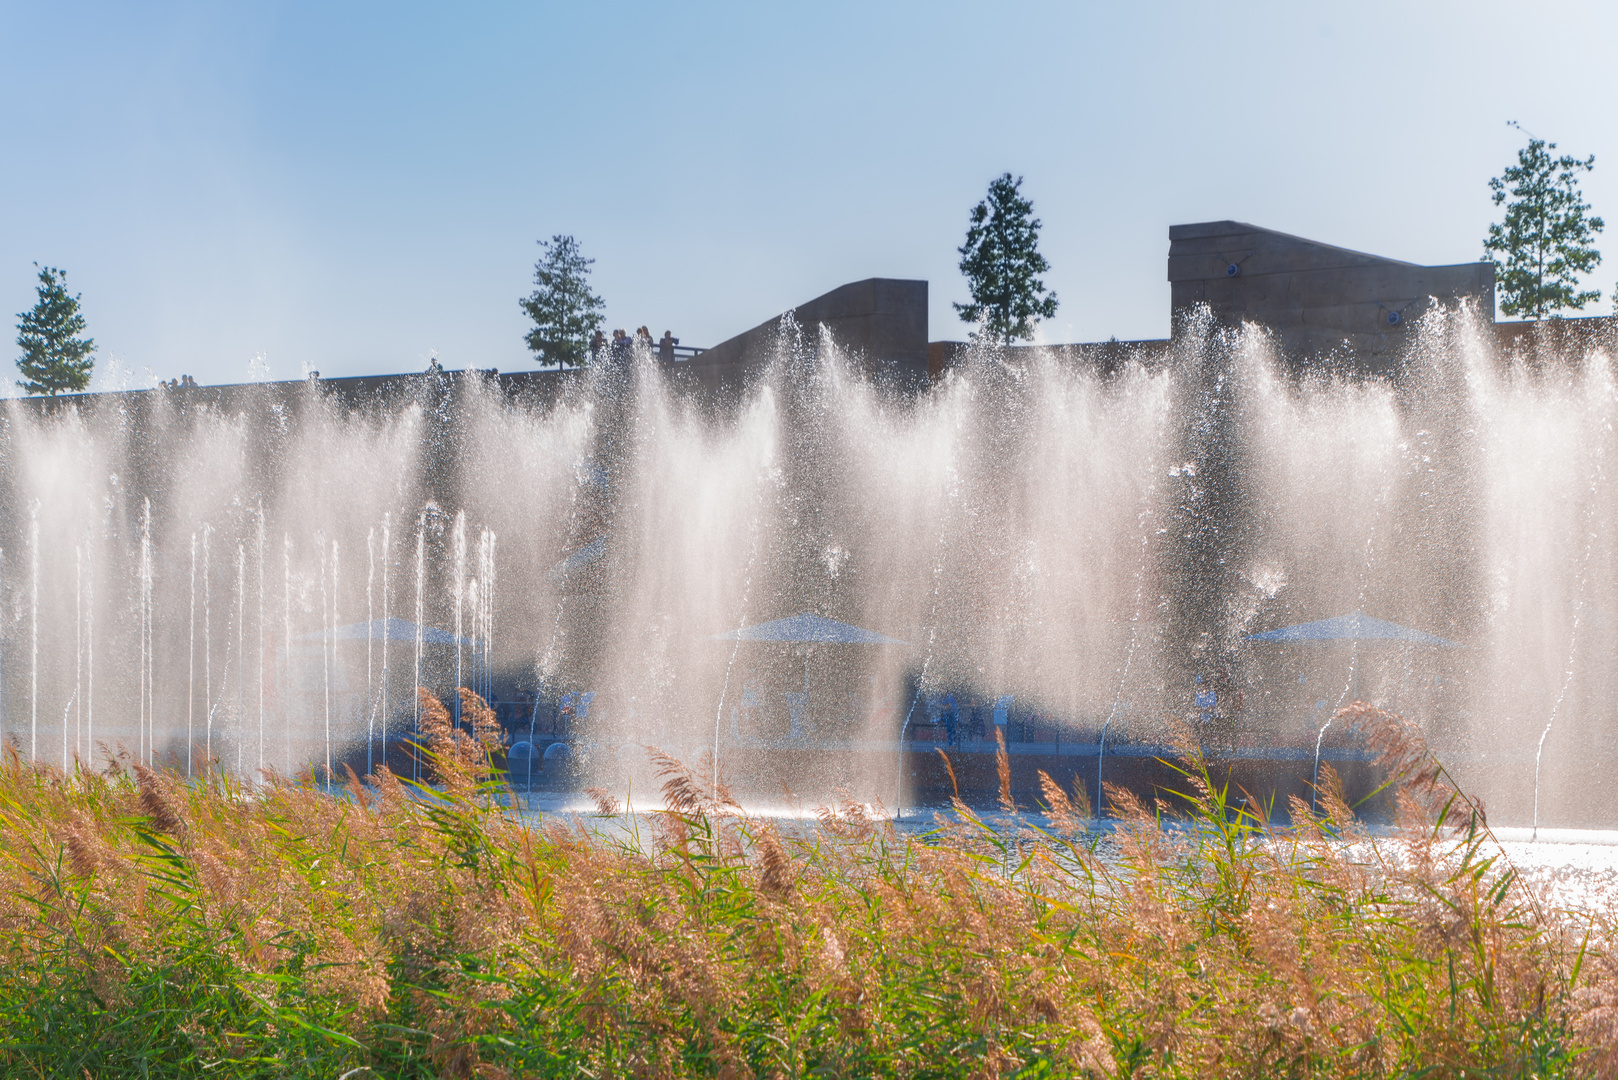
x,y
348,187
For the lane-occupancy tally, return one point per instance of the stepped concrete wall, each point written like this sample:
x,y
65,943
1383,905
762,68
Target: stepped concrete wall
x,y
1316,297
882,322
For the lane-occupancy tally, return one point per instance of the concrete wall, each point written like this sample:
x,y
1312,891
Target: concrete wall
x,y
1326,304
1316,297
1104,356
1548,339
881,320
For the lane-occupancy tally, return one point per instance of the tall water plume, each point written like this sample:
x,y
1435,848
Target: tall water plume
x,y
120,487
1542,681
1076,536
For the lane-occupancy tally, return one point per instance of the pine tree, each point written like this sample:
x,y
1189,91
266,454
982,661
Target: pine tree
x,y
565,311
54,357
1001,261
1547,238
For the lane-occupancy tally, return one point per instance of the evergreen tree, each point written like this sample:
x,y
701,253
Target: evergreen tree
x,y
1547,237
565,312
54,357
1001,261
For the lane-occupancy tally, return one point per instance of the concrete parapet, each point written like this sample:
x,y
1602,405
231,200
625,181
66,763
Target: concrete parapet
x,y
1315,297
880,321
1552,339
1103,356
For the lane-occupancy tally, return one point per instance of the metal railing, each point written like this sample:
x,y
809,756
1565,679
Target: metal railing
x,y
675,353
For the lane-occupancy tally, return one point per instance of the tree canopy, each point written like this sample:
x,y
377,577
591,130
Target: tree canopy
x,y
55,358
1547,238
565,312
1001,261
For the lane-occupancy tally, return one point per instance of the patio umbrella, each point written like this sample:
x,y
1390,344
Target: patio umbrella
x,y
388,630
1353,627
809,630
579,558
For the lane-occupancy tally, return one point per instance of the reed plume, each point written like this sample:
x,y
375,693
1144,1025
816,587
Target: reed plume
x,y
606,802
80,847
485,725
775,869
955,788
1403,751
1081,799
682,793
436,724
1057,804
157,802
454,757
1002,768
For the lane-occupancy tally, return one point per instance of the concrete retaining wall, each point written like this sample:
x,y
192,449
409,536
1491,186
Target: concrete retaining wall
x,y
1316,297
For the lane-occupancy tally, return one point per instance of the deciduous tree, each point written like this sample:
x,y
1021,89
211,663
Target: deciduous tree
x,y
1547,238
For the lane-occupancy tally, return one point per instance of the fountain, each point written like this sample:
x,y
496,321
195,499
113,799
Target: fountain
x,y
1087,536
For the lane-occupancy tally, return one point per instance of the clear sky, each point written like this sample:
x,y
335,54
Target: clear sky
x,y
348,187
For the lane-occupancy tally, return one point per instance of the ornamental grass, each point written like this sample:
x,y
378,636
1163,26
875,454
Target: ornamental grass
x,y
156,926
